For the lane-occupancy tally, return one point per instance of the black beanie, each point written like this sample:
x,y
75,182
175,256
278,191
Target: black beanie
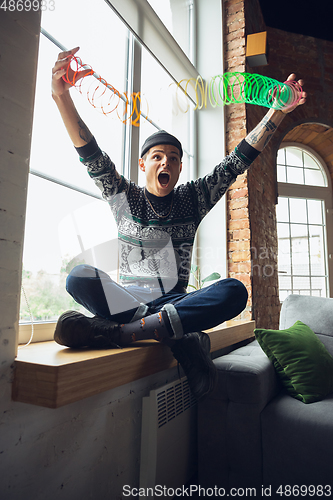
x,y
161,137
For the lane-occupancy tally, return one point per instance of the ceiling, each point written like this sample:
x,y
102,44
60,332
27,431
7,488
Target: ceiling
x,y
305,17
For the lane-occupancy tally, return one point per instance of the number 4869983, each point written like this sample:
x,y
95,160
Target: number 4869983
x,y
27,5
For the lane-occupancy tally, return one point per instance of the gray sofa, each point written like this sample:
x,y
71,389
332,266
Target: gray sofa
x,y
252,433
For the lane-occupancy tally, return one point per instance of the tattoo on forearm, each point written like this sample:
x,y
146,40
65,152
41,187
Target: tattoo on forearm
x,y
84,132
264,130
267,139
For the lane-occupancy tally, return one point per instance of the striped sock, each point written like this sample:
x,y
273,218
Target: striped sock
x,y
156,326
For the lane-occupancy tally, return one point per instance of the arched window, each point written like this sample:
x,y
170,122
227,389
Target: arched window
x,y
304,235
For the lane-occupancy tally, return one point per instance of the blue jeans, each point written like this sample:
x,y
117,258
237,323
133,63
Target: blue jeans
x,y
188,312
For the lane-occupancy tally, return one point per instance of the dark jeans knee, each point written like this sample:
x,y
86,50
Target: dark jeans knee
x,y
237,296
77,276
71,279
239,291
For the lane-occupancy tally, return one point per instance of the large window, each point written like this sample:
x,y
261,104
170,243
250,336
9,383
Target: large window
x,y
137,46
65,213
303,235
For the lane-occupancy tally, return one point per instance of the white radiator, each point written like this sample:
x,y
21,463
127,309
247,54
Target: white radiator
x,y
169,436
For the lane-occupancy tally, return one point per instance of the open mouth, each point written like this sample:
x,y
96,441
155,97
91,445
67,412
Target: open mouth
x,y
164,178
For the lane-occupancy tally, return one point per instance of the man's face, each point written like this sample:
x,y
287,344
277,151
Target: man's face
x,y
162,168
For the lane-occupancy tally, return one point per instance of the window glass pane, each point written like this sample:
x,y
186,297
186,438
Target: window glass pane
x,y
163,10
299,231
319,286
317,255
282,211
284,258
52,152
281,157
281,173
297,210
310,162
301,285
314,177
315,211
97,40
283,230
68,223
175,15
294,157
299,268
284,294
300,249
285,282
158,90
68,24
295,175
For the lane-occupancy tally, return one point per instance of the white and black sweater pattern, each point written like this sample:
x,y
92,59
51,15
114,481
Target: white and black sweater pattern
x,y
151,247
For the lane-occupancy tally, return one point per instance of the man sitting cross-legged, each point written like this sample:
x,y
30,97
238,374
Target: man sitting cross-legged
x,y
156,230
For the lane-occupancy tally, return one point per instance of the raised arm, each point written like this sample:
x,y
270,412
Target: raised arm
x,y
262,133
76,128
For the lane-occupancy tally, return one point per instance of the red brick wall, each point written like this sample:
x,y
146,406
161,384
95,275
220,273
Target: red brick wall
x,y
252,238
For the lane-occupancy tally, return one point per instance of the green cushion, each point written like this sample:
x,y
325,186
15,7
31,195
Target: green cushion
x,y
301,360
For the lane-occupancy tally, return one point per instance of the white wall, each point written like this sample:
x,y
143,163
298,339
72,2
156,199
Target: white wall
x,y
89,449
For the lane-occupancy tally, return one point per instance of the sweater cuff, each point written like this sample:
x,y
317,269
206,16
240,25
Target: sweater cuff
x,y
90,151
247,152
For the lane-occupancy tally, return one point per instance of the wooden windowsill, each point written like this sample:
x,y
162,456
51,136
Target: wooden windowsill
x,y
50,375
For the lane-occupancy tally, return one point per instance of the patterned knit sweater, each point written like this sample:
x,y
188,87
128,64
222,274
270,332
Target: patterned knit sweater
x,y
155,250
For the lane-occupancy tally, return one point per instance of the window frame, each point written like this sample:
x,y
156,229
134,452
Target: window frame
x,y
290,190
199,133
